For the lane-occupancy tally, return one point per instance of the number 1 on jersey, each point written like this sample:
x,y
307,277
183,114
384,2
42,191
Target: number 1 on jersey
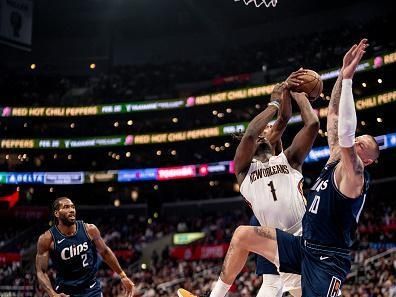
x,y
271,185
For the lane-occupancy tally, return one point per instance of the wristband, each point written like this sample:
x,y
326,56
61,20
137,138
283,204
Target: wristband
x,y
122,274
274,103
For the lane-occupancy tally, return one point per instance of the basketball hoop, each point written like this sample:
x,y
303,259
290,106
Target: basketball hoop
x,y
258,3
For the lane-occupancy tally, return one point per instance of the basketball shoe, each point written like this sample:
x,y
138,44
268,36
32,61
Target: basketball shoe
x,y
185,293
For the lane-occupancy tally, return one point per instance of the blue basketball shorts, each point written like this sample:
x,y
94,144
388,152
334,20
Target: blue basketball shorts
x,y
90,290
323,269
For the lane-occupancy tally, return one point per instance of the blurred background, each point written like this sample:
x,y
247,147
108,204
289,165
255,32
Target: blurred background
x,y
128,108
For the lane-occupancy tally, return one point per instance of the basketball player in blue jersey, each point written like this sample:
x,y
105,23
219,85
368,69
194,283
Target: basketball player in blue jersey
x,y
322,254
270,180
73,246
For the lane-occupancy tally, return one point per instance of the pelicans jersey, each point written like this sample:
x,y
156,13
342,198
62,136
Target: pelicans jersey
x,y
274,191
75,261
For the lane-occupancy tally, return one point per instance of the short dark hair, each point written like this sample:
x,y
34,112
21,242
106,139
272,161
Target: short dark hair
x,y
55,206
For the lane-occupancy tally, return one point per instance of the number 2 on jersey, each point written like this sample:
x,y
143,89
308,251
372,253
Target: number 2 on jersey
x,y
271,185
84,257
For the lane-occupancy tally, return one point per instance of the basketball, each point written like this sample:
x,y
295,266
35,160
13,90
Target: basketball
x,y
312,84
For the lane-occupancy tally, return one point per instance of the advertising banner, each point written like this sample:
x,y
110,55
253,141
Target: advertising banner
x,y
199,252
64,178
165,104
9,258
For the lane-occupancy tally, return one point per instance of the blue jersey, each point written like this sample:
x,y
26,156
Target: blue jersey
x,y
331,218
74,258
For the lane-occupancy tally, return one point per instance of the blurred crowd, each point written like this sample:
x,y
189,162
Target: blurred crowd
x,y
149,81
163,274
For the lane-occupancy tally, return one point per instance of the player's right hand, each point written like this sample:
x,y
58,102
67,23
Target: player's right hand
x,y
352,58
293,81
129,286
60,295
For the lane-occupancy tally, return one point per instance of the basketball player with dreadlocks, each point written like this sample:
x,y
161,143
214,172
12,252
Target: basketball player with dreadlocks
x,y
322,254
271,179
73,247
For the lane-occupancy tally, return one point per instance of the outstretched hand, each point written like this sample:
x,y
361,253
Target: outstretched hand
x,y
352,59
129,286
278,91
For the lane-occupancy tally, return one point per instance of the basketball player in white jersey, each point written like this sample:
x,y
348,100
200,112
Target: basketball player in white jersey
x,y
270,179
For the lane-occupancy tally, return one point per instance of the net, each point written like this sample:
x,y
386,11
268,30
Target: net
x,y
259,3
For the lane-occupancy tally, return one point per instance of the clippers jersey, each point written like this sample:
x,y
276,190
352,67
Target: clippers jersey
x,y
74,258
274,191
331,218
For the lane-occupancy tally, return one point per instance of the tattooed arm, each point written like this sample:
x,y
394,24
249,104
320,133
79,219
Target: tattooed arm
x,y
332,121
332,114
350,171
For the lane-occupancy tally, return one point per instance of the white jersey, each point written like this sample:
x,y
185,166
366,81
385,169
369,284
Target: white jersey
x,y
274,191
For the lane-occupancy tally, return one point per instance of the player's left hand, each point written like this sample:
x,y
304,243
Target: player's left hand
x,y
129,286
352,59
278,91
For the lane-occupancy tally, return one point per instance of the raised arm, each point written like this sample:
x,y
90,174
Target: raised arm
x,y
332,121
285,110
249,142
332,115
304,139
109,258
42,257
248,145
350,172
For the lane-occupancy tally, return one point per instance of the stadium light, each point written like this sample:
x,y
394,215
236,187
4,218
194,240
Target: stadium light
x,y
134,195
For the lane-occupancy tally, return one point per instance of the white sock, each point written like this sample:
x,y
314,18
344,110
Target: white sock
x,y
220,289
